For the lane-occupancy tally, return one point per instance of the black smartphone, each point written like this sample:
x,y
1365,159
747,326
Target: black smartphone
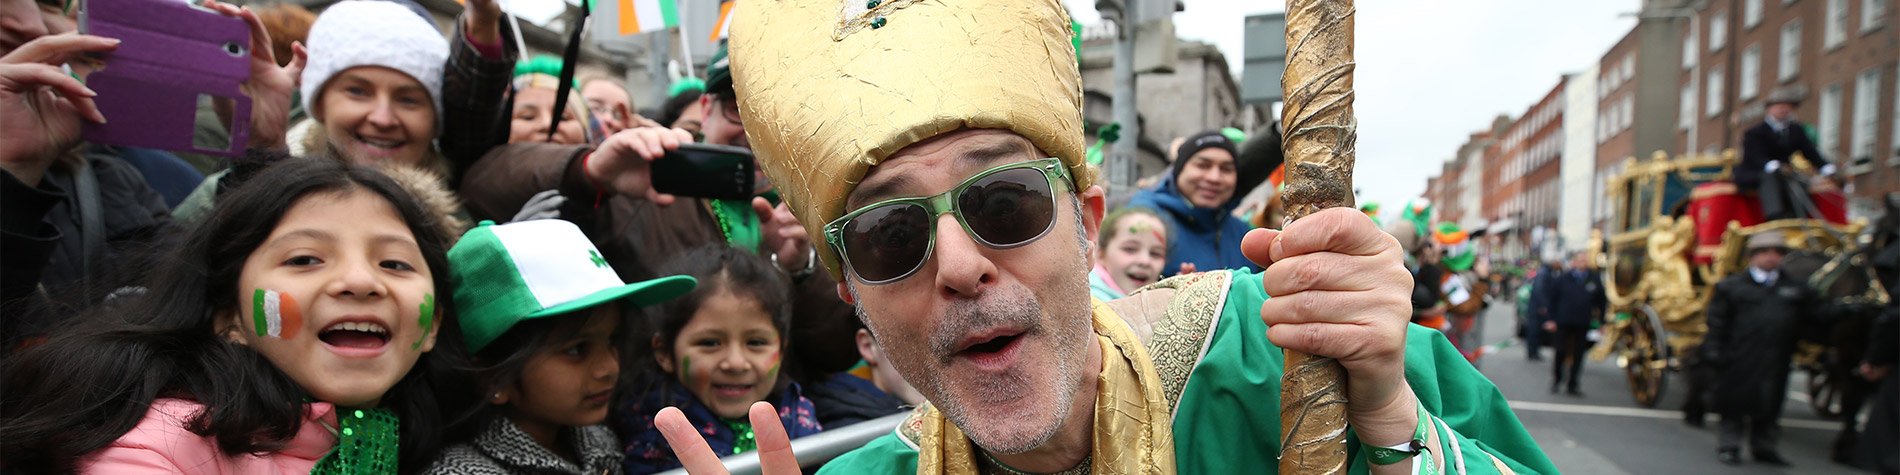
x,y
706,171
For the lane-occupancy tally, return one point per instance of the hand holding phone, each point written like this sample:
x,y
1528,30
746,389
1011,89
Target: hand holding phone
x,y
271,86
41,106
659,163
180,65
622,164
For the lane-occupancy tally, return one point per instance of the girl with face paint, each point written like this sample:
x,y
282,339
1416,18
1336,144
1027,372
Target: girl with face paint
x,y
712,354
298,318
1132,251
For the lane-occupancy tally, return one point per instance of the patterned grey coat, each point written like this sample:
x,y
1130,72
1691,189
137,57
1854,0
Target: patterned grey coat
x,y
504,449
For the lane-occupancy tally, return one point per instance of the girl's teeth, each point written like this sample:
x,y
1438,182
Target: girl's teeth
x,y
360,327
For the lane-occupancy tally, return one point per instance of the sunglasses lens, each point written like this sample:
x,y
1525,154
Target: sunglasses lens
x,y
887,242
1009,208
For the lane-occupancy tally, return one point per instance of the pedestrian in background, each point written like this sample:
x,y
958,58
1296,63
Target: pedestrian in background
x,y
1573,304
1754,317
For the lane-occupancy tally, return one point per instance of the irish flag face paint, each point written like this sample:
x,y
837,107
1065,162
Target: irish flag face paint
x,y
275,314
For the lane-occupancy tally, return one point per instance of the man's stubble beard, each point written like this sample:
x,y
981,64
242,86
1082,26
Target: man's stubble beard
x,y
1017,307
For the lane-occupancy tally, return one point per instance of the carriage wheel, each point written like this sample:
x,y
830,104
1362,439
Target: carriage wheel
x,y
1824,393
1645,357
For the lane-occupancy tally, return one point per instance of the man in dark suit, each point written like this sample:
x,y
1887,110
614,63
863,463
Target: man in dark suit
x,y
1766,151
1572,305
1754,317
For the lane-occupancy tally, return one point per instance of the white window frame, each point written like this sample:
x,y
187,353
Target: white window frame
x,y
1866,122
1893,144
1685,115
1718,31
1788,63
1751,14
1629,69
1629,111
1690,50
1834,25
1712,100
1750,71
1871,14
1829,124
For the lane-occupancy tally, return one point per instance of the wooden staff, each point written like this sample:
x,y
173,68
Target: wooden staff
x,y
1320,132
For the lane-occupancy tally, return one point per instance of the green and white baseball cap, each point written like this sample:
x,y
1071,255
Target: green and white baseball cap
x,y
509,273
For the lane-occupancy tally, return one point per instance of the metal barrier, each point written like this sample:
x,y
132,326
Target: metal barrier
x,y
817,449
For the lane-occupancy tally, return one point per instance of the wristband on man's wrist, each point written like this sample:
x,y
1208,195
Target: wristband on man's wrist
x,y
1412,448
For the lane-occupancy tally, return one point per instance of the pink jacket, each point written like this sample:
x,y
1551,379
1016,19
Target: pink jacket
x,y
161,443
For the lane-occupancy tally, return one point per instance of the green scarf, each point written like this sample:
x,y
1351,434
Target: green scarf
x,y
366,443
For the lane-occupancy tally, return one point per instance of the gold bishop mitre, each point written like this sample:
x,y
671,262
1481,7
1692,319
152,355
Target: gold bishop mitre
x,y
830,88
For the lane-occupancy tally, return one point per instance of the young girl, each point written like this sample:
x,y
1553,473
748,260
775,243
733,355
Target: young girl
x,y
541,313
1133,249
292,331
714,353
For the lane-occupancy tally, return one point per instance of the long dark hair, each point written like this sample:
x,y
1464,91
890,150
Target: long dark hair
x,y
719,269
88,386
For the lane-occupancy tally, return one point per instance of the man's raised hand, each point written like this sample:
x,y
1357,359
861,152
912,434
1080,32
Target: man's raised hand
x,y
775,448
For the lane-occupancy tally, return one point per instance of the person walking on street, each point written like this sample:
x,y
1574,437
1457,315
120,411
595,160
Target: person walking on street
x,y
1530,301
1572,305
1753,317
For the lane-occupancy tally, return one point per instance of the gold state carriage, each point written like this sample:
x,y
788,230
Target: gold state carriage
x,y
1678,226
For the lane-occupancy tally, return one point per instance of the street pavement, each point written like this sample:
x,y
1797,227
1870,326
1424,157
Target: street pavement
x,y
1605,432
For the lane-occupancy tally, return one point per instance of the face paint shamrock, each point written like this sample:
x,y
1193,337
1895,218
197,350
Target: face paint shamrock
x,y
427,320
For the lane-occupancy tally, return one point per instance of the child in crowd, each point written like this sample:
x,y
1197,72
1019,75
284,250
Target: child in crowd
x,y
541,314
1133,249
714,353
294,331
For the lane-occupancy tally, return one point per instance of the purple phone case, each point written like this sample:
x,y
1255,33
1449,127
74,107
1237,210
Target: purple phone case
x,y
169,54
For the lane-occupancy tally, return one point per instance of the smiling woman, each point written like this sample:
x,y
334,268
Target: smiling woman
x,y
374,82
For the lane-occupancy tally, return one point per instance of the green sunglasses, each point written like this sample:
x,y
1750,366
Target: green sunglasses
x,y
1003,207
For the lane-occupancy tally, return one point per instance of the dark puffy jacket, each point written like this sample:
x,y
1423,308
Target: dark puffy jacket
x,y
59,256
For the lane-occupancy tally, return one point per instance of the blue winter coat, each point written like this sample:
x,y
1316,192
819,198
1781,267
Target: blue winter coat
x,y
1207,237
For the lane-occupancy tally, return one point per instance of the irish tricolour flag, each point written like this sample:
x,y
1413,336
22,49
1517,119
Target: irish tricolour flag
x,y
275,314
641,16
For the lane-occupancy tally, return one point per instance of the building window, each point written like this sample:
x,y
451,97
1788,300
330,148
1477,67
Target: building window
x,y
1629,111
1689,51
1629,69
1750,73
1685,115
1894,143
1871,12
1829,127
1835,30
1789,63
1866,121
1718,31
1713,101
1751,13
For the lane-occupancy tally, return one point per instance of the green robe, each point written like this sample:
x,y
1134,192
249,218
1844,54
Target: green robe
x,y
1213,354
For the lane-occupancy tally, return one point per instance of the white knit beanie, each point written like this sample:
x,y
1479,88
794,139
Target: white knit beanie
x,y
373,33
